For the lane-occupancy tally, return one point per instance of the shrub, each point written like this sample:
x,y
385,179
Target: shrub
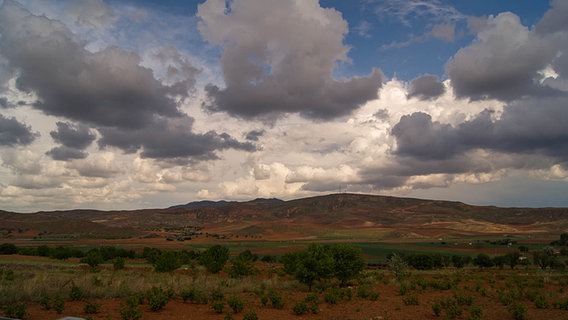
x,y
437,308
118,263
167,262
91,307
410,301
194,295
476,313
236,304
157,298
540,302
217,295
275,299
58,304
18,310
300,308
214,258
250,316
131,311
76,293
218,305
518,311
463,300
45,302
366,293
332,295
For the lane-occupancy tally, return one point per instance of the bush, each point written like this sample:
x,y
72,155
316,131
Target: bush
x,y
131,311
410,301
58,304
215,258
250,316
437,308
236,304
518,311
300,308
275,299
76,293
91,307
476,313
45,302
194,295
167,262
18,310
218,306
118,263
366,293
157,298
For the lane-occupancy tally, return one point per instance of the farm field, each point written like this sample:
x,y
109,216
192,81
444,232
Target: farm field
x,y
527,292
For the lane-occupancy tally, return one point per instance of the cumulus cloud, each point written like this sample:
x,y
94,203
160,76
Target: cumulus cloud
x,y
171,138
73,136
426,87
535,126
108,90
64,153
502,63
269,69
14,133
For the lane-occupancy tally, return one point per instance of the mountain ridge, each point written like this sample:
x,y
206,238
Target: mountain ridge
x,y
333,215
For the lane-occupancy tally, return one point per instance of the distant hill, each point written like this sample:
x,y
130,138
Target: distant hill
x,y
330,216
214,204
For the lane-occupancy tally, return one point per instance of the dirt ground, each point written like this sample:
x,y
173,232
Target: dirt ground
x,y
390,304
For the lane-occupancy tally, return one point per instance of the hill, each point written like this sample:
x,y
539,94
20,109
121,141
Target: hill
x,y
330,216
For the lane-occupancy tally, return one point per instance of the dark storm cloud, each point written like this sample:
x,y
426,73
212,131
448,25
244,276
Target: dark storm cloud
x,y
64,153
170,138
532,126
3,102
106,90
14,133
74,139
502,63
420,137
73,136
426,87
254,135
283,62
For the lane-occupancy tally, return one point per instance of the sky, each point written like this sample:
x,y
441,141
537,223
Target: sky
x,y
124,104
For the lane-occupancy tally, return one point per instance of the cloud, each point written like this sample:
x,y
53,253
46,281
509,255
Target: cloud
x,y
270,70
426,87
15,133
104,88
254,135
502,63
107,90
407,10
64,153
171,138
534,126
73,136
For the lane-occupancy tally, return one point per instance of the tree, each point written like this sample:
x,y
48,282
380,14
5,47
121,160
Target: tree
x,y
215,258
168,261
420,261
347,261
543,259
314,264
512,259
93,258
310,265
242,265
483,261
460,261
